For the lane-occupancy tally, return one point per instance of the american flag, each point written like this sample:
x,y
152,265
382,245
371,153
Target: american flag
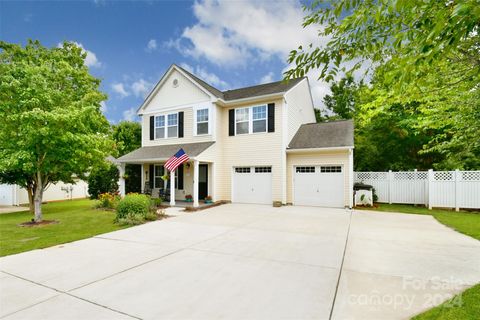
x,y
176,160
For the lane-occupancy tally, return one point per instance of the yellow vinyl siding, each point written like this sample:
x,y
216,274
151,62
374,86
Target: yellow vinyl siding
x,y
300,108
318,158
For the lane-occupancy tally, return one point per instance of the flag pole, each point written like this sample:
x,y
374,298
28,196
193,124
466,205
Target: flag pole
x,y
172,187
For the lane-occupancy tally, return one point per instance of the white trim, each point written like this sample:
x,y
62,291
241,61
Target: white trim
x,y
250,119
195,109
148,161
350,178
179,107
306,150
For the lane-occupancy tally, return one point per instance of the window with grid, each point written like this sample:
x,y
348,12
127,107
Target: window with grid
x,y
263,169
259,119
242,170
305,169
172,125
242,120
159,127
202,121
328,169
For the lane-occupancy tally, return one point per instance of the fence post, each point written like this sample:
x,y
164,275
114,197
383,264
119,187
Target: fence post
x,y
457,190
430,188
390,186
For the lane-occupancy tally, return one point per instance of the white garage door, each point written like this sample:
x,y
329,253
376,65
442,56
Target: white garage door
x,y
319,186
252,185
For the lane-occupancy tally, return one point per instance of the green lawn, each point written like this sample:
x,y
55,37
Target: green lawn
x,y
465,222
77,220
464,306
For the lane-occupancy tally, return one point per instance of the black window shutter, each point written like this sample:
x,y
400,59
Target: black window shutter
x,y
271,117
231,122
150,175
180,177
152,127
180,124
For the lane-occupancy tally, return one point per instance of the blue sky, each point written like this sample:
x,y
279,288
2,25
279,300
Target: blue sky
x,y
130,44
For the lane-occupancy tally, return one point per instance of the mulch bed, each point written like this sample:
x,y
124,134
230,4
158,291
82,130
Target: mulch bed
x,y
38,224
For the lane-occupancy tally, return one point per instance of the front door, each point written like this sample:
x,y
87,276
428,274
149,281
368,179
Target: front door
x,y
202,181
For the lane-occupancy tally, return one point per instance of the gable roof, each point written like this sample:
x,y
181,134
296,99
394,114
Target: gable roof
x,y
323,135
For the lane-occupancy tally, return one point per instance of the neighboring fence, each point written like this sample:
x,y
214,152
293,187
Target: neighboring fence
x,y
445,189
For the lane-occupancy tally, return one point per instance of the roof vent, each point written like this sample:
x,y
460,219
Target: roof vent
x,y
175,83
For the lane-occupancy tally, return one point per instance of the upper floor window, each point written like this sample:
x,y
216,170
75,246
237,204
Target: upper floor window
x,y
251,119
259,119
166,126
159,127
202,121
242,120
172,125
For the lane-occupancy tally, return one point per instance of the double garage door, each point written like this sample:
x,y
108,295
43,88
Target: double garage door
x,y
252,185
321,185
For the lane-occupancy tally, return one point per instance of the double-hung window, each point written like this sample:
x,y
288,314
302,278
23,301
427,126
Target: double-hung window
x,y
242,120
159,127
251,119
259,119
172,125
202,121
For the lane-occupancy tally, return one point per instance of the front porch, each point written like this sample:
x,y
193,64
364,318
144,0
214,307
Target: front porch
x,y
191,180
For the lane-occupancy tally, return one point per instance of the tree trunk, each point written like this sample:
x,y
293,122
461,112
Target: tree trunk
x,y
37,198
30,200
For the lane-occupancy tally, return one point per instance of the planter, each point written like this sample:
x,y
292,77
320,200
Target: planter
x,y
208,201
188,200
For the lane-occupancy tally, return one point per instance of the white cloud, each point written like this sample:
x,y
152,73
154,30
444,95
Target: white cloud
x,y
119,88
209,77
141,88
103,107
267,78
91,58
151,45
130,114
231,33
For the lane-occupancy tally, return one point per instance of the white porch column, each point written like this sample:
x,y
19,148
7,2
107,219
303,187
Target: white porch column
x,y
121,181
172,188
195,182
142,178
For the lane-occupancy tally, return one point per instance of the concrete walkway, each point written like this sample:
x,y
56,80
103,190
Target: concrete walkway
x,y
246,262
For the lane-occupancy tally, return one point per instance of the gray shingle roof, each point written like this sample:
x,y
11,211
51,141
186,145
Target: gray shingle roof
x,y
247,92
165,151
323,135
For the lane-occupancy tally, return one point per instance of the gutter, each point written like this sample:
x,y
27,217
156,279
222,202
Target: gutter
x,y
305,150
263,97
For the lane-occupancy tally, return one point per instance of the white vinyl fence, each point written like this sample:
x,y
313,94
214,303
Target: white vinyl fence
x,y
445,189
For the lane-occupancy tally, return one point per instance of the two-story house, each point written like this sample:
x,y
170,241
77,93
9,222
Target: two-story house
x,y
257,144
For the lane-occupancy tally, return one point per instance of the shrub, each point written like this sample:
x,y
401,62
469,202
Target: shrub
x,y
133,209
156,202
374,195
108,200
103,179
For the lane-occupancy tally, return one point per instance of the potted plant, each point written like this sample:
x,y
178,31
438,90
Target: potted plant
x,y
208,199
188,198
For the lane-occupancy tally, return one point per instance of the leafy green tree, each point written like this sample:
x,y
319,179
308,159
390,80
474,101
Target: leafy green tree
x,y
51,126
343,98
419,51
128,137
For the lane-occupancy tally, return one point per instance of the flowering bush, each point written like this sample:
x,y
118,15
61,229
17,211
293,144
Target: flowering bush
x,y
108,200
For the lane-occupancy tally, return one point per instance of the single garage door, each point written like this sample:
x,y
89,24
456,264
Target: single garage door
x,y
319,186
252,185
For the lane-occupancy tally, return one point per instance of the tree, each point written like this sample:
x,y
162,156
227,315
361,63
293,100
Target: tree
x,y
128,137
425,52
52,128
343,98
102,179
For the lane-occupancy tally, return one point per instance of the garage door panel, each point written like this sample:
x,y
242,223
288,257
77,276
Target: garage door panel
x,y
319,186
252,185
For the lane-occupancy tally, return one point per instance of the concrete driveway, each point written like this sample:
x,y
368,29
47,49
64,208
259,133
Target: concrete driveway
x,y
246,262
